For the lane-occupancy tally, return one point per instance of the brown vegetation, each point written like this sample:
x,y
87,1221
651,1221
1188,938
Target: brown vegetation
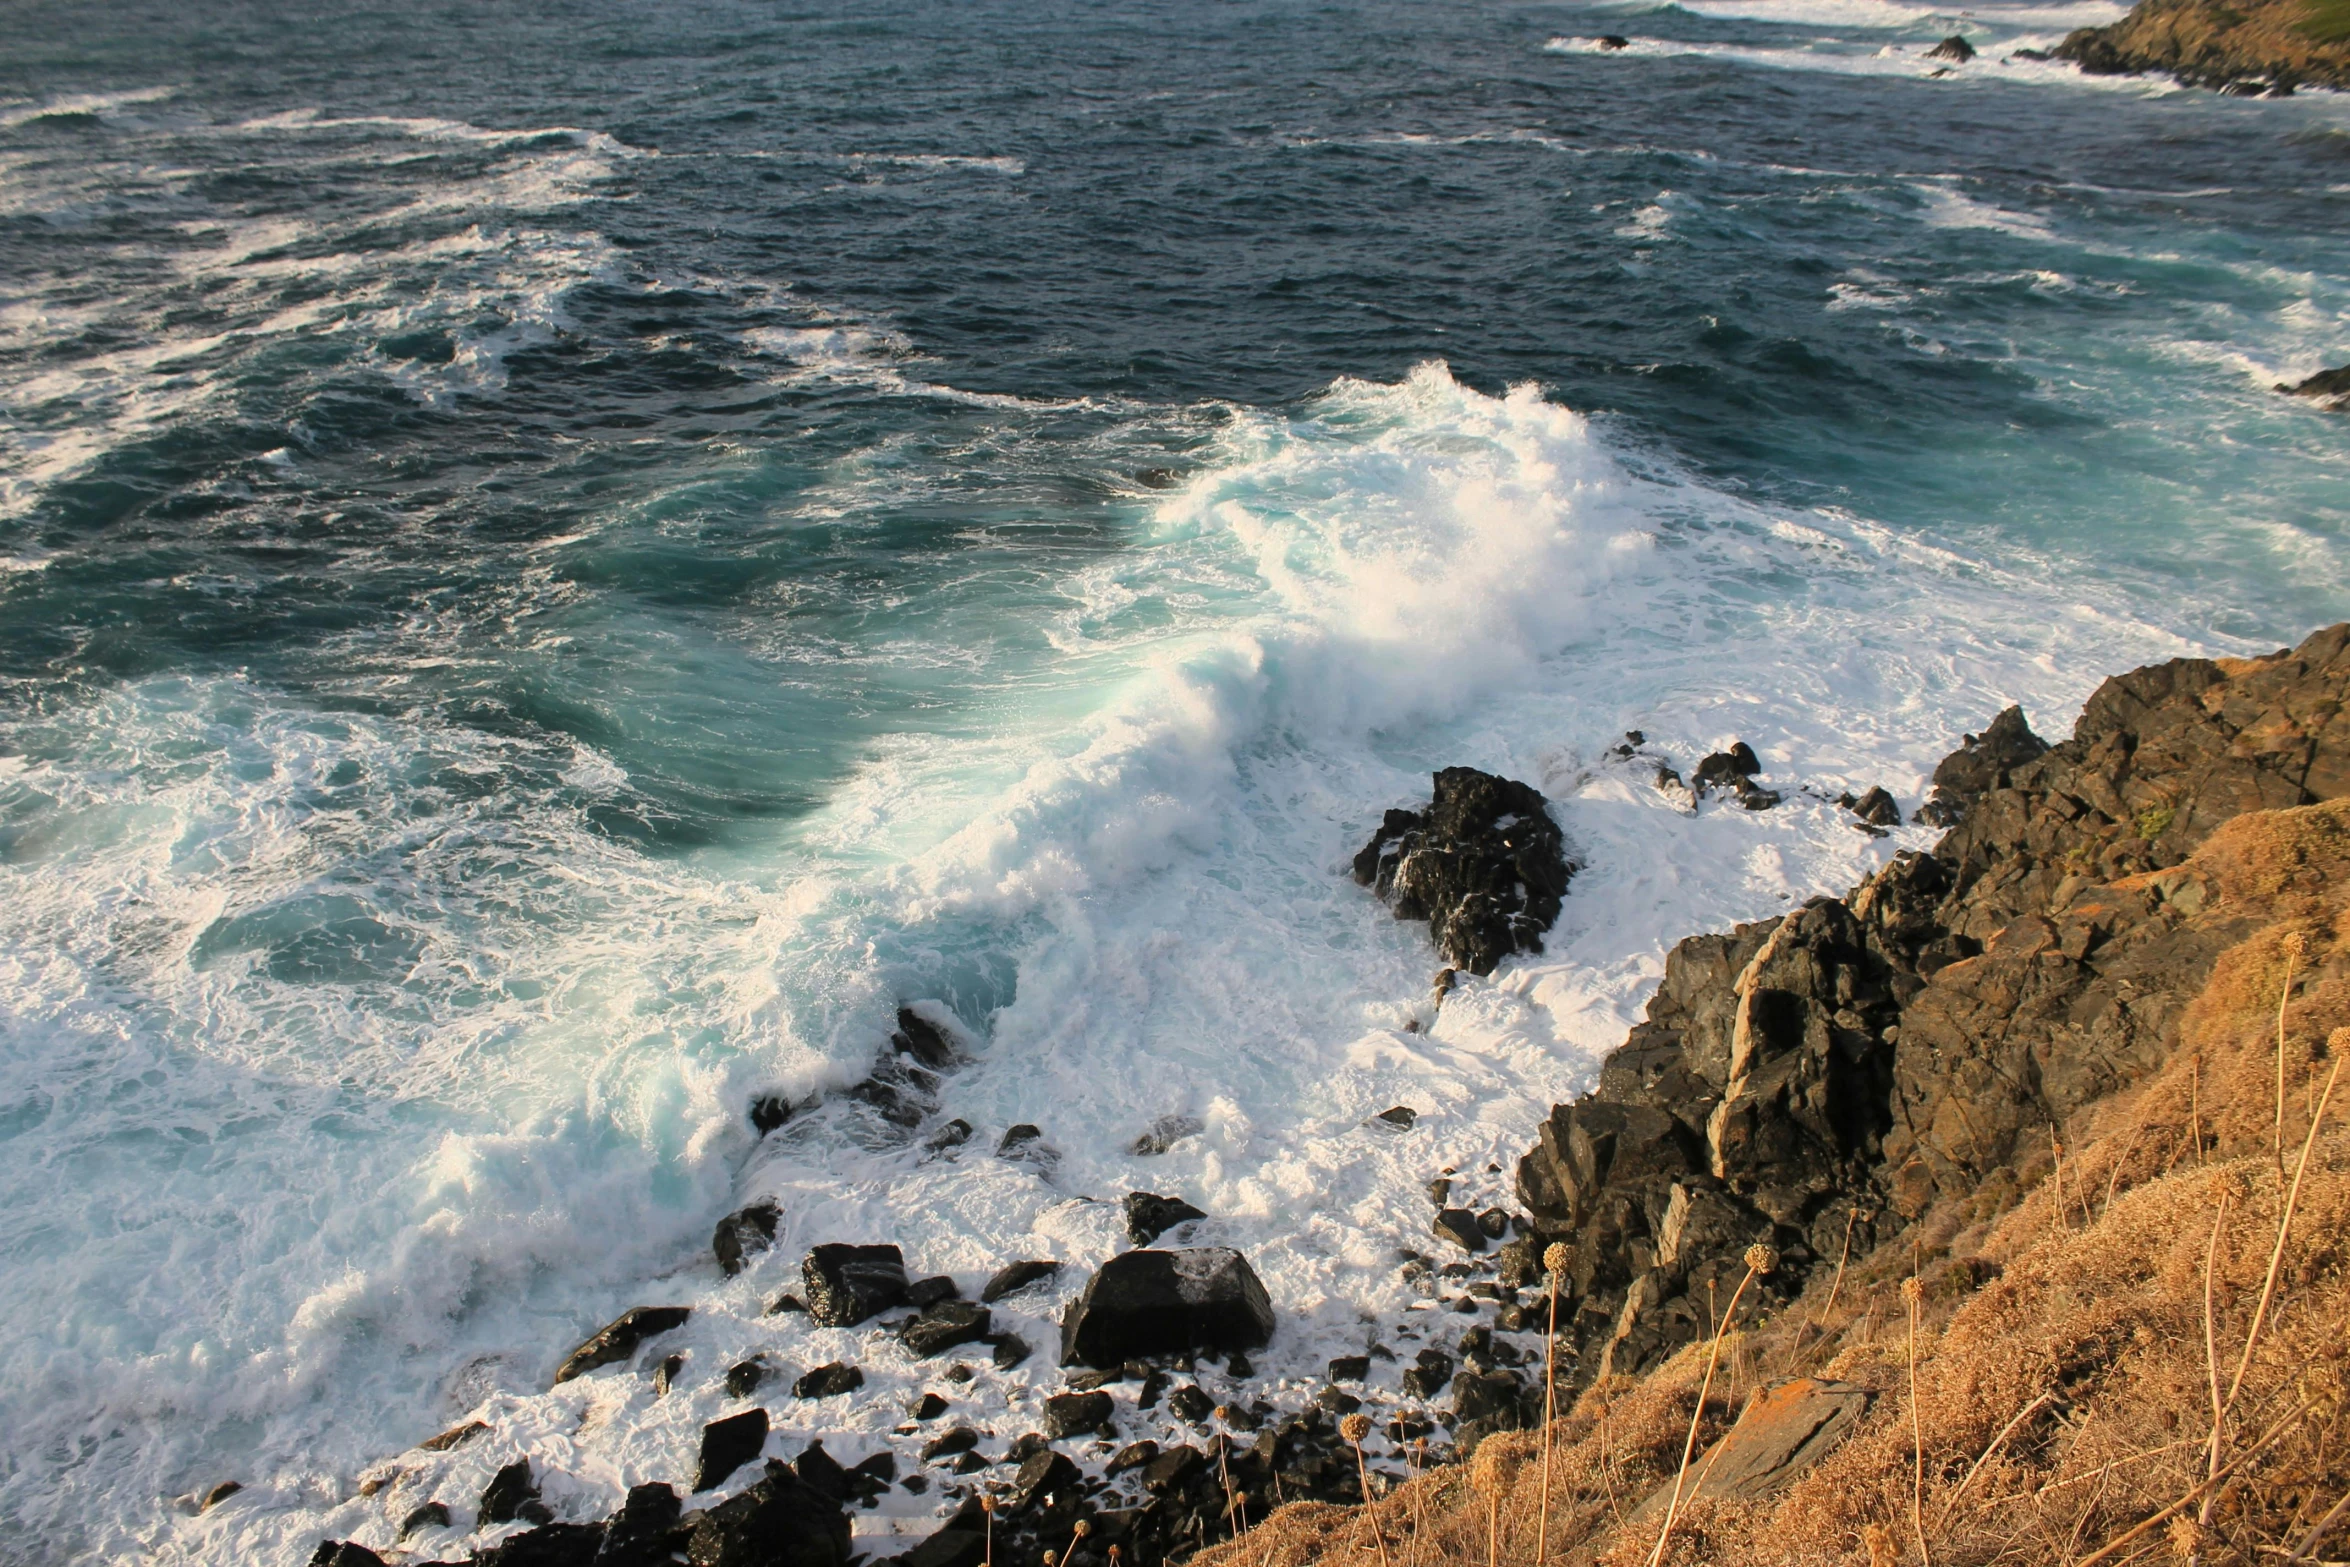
x,y
2145,1362
2275,45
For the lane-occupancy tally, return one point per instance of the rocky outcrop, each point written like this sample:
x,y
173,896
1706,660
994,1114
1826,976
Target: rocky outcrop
x,y
2263,46
1796,1078
619,1338
1145,1303
1483,864
2330,387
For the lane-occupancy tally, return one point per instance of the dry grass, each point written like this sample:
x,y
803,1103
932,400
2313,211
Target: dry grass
x,y
2067,1371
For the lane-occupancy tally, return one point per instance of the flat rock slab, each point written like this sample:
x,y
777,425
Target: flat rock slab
x,y
729,1444
945,1325
1783,1433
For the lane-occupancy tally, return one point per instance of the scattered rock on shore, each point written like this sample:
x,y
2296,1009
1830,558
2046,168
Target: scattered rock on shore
x,y
619,1338
1483,864
746,1231
1145,1303
847,1284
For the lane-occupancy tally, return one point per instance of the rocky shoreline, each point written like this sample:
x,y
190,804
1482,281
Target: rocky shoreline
x,y
1809,1085
2266,47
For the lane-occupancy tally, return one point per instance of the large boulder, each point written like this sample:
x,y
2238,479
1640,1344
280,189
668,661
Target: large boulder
x,y
729,1444
619,1338
779,1522
1483,864
1166,1303
847,1284
743,1232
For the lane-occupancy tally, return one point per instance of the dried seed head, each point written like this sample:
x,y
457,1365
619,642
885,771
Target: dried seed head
x,y
2338,1042
1083,1529
2224,1186
1913,1289
1882,1551
1114,1554
2186,1537
1049,1559
987,1504
2296,945
1558,1257
1223,1411
1761,1259
1354,1428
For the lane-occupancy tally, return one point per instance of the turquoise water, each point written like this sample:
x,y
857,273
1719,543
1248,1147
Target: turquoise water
x,y
558,565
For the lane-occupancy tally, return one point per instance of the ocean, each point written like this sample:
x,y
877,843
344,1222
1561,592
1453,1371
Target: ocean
x,y
561,561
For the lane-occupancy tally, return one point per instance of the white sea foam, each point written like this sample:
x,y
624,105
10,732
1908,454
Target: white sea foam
x,y
455,1077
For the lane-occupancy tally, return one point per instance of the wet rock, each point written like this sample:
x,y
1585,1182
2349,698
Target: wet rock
x,y
770,1111
784,1304
952,1135
1134,1455
1166,1132
743,1378
1042,1475
1495,1222
432,1515
1955,49
1350,1368
510,1492
1728,769
744,1233
1190,1403
880,1468
2331,387
1074,1414
218,1494
1428,1374
847,1284
1981,764
1019,1140
829,1381
948,1548
1484,864
1402,1117
1877,808
822,1473
666,1373
928,1407
619,1338
779,1522
645,1532
727,1445
1148,1215
923,1294
344,1553
1613,41
960,1440
945,1325
456,1436
1459,1226
1239,1366
549,1545
924,1040
1173,1469
1014,1276
1144,1303
1010,1350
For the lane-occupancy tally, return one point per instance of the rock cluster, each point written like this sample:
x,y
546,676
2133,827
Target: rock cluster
x,y
1483,864
1798,1077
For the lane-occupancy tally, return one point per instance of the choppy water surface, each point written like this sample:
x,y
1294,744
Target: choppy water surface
x,y
557,563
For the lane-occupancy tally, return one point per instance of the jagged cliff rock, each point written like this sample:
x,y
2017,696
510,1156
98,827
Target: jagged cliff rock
x,y
1483,864
1798,1077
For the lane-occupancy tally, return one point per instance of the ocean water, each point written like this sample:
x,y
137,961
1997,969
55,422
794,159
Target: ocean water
x,y
559,562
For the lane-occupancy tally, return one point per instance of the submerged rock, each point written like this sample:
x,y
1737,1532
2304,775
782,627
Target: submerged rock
x,y
1955,49
1014,1276
1148,1215
779,1522
619,1338
511,1494
943,1326
1146,1303
1483,864
829,1381
744,1232
2332,387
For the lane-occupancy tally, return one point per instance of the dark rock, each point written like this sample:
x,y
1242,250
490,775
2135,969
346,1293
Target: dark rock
x,y
1042,1475
744,1232
2330,386
665,1374
1148,1215
1980,765
1073,1414
1401,1117
960,1440
822,1473
509,1491
847,1284
1350,1368
923,1294
644,1533
1728,769
1494,1398
743,1378
1190,1403
549,1545
1612,41
1172,1469
1440,1191
1426,1377
1016,1276
769,1111
1484,864
1337,1400
727,1445
948,1548
1134,1455
924,1040
1166,1132
928,1407
1955,49
829,1381
952,1135
619,1338
1010,1349
432,1515
1145,1303
1495,1222
779,1522
945,1325
915,1484
881,1466
1239,1366
784,1304
344,1553
1018,1139
1459,1226
1877,808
